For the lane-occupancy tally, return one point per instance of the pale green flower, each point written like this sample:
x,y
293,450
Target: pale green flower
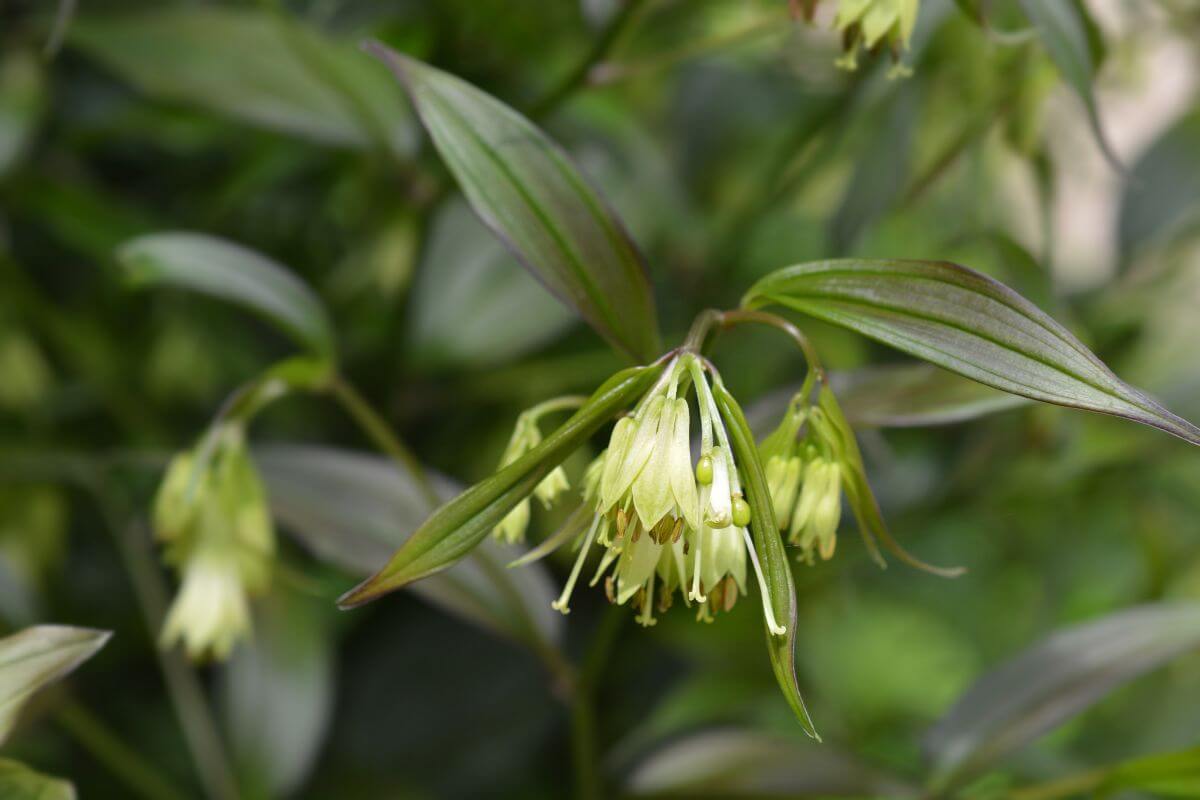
x,y
525,437
872,22
819,510
211,514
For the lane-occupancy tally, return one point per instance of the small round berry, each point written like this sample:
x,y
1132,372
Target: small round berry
x,y
741,512
704,470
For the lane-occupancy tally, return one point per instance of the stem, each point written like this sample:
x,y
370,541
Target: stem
x,y
704,322
741,316
564,403
378,431
1073,786
140,776
600,48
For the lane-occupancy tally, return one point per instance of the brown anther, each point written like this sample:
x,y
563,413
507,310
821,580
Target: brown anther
x,y
622,521
665,598
716,598
637,532
639,600
609,592
677,532
731,593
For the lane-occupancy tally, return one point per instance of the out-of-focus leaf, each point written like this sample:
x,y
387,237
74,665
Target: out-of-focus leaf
x,y
1165,775
1066,35
965,322
22,99
353,510
473,304
458,526
781,588
1053,681
914,395
222,269
1163,188
279,693
524,187
734,762
37,656
19,782
254,66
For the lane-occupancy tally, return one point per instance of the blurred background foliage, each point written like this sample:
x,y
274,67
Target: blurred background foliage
x,y
724,135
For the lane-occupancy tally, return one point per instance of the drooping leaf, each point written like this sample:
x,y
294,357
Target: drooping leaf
x,y
19,782
459,526
473,304
353,510
37,656
525,188
1053,681
965,322
737,762
222,269
771,554
1162,191
914,395
278,692
254,66
1068,40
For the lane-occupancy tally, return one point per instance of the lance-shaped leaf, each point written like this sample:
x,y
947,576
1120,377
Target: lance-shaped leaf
x,y
353,510
1053,681
228,271
525,188
914,395
965,322
19,782
38,656
772,555
457,527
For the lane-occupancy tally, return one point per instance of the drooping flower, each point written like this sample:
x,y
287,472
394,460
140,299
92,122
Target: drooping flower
x,y
211,515
668,522
525,437
871,22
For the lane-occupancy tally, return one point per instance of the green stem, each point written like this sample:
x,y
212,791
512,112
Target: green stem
x,y
565,403
600,48
740,316
1074,786
380,433
140,776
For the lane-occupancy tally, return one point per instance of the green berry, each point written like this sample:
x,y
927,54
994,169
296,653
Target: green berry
x,y
704,470
741,512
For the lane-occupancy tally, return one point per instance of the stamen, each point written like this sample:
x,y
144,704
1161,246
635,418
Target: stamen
x,y
697,593
772,625
678,530
609,557
731,592
646,594
608,589
562,603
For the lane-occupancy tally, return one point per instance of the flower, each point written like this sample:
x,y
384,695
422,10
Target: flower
x,y
211,514
525,437
665,521
867,23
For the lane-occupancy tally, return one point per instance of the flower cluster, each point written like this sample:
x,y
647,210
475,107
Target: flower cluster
x,y
804,474
211,514
525,437
868,24
664,520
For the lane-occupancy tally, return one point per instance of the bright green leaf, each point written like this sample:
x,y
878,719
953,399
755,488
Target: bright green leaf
x,y
771,553
965,322
459,526
37,656
19,782
525,188
222,269
251,65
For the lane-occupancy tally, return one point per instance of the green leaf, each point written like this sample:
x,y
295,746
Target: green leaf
x,y
1053,681
37,656
914,395
254,66
1065,34
771,554
19,782
228,271
967,323
352,510
23,100
458,527
1165,775
1162,192
524,187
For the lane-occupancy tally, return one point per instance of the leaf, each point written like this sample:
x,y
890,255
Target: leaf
x,y
278,692
23,100
1053,681
1065,35
19,782
352,510
967,323
473,305
254,66
914,395
228,271
524,187
771,553
735,762
460,525
1162,192
37,656
1165,774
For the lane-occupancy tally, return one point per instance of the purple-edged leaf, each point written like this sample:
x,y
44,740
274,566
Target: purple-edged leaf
x,y
967,323
37,656
525,188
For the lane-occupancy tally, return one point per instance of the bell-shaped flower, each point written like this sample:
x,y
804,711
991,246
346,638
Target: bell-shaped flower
x,y
525,437
870,22
819,510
